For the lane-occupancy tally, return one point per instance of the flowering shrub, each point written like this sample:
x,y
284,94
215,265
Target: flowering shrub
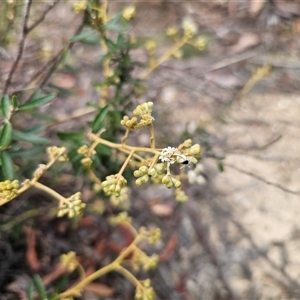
x,y
86,150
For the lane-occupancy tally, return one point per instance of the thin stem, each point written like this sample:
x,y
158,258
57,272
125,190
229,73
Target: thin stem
x,y
41,18
124,139
126,162
57,62
27,6
78,287
154,160
152,137
121,147
165,56
128,276
110,267
43,68
93,177
26,215
49,191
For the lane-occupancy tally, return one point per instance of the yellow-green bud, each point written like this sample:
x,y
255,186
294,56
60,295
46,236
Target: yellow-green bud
x,y
144,178
143,169
160,168
139,182
193,160
152,172
195,149
177,183
71,214
169,184
166,179
112,187
137,173
117,189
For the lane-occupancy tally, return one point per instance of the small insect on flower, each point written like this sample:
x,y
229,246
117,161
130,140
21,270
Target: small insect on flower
x,y
172,155
184,160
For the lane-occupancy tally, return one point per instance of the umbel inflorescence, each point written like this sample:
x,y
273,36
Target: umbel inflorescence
x,y
150,163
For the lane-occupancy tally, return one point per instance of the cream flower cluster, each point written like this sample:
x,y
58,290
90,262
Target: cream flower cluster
x,y
172,155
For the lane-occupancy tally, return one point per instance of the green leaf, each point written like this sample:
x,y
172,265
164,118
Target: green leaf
x,y
29,292
60,285
36,102
29,137
7,165
65,57
102,149
36,128
111,46
42,116
62,92
118,23
98,122
40,286
6,135
6,106
89,8
220,166
14,101
70,136
101,61
89,37
121,42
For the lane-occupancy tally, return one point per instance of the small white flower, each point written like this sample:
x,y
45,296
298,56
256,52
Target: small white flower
x,y
172,155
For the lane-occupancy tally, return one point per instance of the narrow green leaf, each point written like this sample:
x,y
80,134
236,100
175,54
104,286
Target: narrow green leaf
x,y
6,135
29,292
36,94
118,23
70,136
89,8
36,102
101,61
98,121
14,101
65,57
121,41
220,166
88,37
102,149
40,286
60,285
36,128
6,106
29,137
7,165
111,46
28,154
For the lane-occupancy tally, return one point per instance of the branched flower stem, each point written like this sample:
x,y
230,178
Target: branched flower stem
x,y
114,266
165,56
49,191
126,162
121,147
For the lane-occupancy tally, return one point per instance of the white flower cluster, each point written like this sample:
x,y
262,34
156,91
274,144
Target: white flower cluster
x,y
172,155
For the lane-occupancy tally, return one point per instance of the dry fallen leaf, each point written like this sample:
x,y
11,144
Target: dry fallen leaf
x,y
255,7
169,248
287,9
162,210
246,40
31,254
